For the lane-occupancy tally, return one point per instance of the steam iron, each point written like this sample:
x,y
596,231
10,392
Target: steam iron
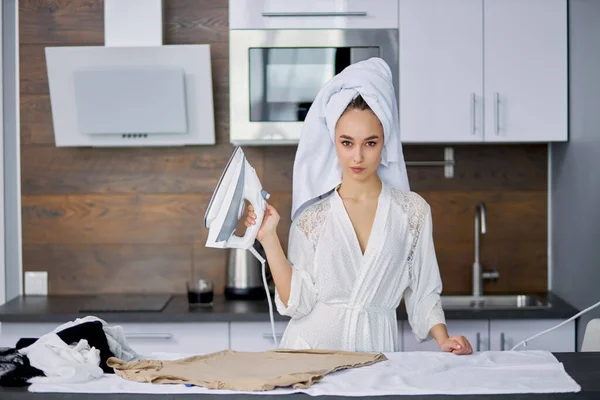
x,y
237,184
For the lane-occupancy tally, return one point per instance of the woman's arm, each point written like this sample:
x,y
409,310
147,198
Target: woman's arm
x,y
295,290
279,266
423,293
278,263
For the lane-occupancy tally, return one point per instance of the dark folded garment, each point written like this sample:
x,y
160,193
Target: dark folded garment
x,y
15,369
90,331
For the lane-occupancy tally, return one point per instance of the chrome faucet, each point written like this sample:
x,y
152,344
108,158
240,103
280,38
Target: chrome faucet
x,y
478,274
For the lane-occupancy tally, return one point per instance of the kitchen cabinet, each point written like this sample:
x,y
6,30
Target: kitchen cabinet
x,y
505,334
255,336
441,71
313,14
206,337
144,338
11,332
483,71
525,64
476,331
182,338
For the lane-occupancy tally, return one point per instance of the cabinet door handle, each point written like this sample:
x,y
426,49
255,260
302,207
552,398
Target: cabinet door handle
x,y
496,113
478,342
473,114
269,336
315,14
165,336
502,341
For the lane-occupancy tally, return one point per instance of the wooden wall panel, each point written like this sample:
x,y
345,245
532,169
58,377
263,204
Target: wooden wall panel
x,y
114,218
515,243
34,77
55,22
129,219
125,268
36,121
68,170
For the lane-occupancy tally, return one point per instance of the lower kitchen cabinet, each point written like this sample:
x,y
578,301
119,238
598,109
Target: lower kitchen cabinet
x,y
144,338
505,334
502,335
11,332
255,336
476,331
183,338
207,337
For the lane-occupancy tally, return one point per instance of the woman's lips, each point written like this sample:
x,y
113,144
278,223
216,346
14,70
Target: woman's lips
x,y
357,170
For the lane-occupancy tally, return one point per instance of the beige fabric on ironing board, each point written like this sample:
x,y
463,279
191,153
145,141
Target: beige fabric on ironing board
x,y
245,371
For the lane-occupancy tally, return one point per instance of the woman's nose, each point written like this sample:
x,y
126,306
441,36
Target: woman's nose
x,y
358,155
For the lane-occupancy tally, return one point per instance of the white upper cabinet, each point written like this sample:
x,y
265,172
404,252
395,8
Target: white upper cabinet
x,y
483,71
313,14
441,71
525,63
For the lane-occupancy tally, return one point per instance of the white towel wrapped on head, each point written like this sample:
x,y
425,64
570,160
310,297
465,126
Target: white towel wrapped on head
x,y
316,168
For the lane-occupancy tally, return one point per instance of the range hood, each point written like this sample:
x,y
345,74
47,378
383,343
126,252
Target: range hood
x,y
133,91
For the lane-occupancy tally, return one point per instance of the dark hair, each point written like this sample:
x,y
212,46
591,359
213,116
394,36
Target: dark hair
x,y
358,103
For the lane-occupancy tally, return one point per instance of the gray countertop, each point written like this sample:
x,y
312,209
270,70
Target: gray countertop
x,y
583,367
60,309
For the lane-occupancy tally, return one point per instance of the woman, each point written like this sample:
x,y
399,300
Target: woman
x,y
359,239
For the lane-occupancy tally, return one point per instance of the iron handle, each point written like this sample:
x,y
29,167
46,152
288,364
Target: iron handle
x,y
166,336
473,118
496,113
315,14
478,342
502,341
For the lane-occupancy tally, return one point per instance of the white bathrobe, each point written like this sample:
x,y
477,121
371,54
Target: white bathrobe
x,y
343,299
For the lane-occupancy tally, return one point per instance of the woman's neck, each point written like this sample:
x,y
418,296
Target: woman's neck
x,y
360,190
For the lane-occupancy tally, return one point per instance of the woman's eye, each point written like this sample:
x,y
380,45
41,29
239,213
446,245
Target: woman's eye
x,y
371,144
346,143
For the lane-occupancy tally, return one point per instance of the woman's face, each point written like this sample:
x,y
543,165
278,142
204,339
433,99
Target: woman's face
x,y
358,143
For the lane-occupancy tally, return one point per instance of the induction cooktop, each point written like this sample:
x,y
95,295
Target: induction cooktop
x,y
126,303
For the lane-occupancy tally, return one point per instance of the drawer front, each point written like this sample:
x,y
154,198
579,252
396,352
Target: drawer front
x,y
476,332
182,338
11,332
144,338
505,334
313,14
255,336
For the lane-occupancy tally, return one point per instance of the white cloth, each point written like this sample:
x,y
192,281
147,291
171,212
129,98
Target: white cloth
x,y
341,299
316,168
115,336
62,363
407,373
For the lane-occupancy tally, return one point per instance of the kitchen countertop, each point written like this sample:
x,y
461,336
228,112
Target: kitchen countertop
x,y
583,367
60,309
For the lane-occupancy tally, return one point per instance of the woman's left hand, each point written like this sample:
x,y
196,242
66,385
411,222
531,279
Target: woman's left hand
x,y
456,345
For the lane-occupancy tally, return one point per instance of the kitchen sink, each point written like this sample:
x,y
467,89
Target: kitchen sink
x,y
497,302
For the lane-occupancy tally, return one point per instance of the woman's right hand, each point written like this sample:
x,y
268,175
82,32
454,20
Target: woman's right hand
x,y
269,224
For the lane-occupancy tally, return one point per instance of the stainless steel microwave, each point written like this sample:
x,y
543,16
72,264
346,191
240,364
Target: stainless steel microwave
x,y
275,74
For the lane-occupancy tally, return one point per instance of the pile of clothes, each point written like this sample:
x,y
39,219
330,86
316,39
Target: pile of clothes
x,y
73,352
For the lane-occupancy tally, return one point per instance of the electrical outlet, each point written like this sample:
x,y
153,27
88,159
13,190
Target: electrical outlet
x,y
36,283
